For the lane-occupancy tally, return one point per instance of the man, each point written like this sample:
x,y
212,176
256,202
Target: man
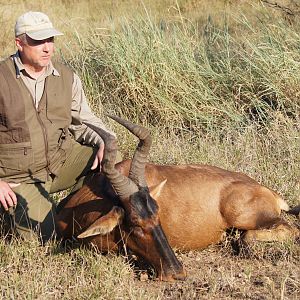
x,y
44,146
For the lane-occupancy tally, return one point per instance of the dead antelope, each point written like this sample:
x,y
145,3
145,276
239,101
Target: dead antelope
x,y
194,204
113,209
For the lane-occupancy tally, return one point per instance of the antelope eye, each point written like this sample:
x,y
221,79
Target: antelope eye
x,y
138,231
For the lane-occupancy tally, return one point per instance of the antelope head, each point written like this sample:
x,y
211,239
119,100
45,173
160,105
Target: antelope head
x,y
138,218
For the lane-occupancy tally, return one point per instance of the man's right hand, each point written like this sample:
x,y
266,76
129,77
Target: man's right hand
x,y
7,196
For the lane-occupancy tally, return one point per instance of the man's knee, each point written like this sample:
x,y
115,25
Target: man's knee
x,y
34,215
43,230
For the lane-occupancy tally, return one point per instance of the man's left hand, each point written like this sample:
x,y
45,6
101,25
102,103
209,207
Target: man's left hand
x,y
98,158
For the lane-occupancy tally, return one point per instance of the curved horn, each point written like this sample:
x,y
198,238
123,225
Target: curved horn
x,y
123,186
140,158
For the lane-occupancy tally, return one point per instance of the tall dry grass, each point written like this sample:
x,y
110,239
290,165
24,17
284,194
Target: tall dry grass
x,y
230,82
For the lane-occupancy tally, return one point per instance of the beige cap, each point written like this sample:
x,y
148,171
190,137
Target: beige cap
x,y
36,25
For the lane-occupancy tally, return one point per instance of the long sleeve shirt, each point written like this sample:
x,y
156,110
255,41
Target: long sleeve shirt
x,y
80,110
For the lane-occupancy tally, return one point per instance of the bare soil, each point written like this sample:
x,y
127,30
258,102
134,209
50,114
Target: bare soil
x,y
264,271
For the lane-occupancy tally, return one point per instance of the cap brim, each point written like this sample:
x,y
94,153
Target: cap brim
x,y
43,34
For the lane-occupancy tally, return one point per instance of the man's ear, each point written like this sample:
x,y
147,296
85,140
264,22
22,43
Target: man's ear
x,y
155,190
19,44
104,224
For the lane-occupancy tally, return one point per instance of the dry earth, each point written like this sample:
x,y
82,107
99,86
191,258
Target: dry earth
x,y
230,271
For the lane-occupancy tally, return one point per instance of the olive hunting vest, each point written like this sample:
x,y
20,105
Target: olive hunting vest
x,y
33,142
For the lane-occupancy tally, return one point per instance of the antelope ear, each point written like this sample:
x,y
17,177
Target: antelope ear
x,y
104,224
155,190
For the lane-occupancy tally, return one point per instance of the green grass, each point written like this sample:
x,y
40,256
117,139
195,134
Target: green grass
x,y
218,96
199,77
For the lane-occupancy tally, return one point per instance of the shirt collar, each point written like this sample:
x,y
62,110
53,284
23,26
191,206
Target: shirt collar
x,y
50,70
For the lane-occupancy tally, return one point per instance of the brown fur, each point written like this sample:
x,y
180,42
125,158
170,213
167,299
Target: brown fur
x,y
188,206
199,202
196,204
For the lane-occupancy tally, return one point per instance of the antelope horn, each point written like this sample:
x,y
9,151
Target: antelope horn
x,y
140,158
123,186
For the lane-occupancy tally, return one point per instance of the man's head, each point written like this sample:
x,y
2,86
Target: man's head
x,y
35,39
36,25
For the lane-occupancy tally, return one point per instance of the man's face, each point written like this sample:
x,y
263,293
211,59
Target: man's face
x,y
36,54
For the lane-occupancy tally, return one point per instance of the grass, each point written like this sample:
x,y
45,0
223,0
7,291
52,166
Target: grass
x,y
33,272
28,271
216,82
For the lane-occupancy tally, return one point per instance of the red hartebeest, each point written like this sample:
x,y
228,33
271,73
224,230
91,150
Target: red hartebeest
x,y
194,204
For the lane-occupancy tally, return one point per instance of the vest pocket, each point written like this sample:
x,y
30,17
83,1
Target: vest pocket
x,y
15,159
61,153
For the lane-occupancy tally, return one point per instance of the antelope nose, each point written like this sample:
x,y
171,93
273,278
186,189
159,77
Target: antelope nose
x,y
180,276
171,277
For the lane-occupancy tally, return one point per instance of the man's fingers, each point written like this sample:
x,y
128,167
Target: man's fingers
x,y
95,163
13,197
7,196
98,157
9,200
12,193
100,153
3,202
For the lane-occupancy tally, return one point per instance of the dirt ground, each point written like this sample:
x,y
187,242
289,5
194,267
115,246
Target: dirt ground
x,y
225,271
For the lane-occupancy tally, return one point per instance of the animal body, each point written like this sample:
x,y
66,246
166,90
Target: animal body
x,y
194,204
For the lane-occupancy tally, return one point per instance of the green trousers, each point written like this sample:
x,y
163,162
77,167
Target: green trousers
x,y
35,215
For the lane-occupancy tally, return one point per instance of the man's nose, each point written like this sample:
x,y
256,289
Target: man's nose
x,y
46,47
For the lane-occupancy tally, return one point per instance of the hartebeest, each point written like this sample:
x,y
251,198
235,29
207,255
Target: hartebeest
x,y
194,204
94,213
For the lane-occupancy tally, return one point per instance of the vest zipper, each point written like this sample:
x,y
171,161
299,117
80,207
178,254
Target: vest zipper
x,y
45,136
